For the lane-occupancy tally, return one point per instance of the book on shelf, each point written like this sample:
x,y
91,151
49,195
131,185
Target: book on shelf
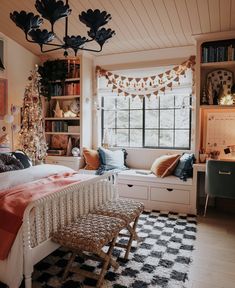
x,y
218,51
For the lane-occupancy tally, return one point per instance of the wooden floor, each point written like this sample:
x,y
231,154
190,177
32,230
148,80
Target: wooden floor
x,y
214,256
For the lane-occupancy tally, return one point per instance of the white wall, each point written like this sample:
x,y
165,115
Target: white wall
x,y
18,62
141,157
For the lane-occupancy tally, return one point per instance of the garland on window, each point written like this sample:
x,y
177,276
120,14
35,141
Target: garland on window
x,y
146,86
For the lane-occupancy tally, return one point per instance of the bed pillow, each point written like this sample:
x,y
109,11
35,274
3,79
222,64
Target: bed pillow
x,y
111,160
184,168
9,163
92,159
23,158
164,165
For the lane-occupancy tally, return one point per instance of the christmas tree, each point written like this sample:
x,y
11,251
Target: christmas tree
x,y
31,136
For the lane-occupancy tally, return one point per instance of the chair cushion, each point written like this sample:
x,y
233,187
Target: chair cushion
x,y
126,210
89,233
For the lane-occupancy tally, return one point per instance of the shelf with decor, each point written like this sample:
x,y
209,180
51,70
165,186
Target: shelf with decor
x,y
63,108
215,85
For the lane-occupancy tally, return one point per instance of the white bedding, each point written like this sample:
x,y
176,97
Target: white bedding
x,y
11,269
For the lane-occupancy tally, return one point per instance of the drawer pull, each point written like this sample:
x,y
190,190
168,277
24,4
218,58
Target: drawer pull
x,y
225,172
169,189
129,185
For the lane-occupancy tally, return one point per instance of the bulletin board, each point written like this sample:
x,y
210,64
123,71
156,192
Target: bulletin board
x,y
220,130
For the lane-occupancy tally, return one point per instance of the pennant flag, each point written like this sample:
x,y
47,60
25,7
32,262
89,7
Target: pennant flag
x,y
168,72
169,85
133,95
137,80
153,77
163,89
148,95
110,74
176,79
145,79
130,79
116,76
123,78
141,97
160,75
155,93
126,94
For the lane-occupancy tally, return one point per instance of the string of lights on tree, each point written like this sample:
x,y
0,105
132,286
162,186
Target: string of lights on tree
x,y
31,136
146,86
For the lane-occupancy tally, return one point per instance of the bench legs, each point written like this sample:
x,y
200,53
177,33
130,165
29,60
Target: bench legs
x,y
106,258
132,236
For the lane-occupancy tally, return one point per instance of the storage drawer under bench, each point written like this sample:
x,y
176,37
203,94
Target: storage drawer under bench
x,y
168,193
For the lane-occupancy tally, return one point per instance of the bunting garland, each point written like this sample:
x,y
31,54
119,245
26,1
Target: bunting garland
x,y
131,86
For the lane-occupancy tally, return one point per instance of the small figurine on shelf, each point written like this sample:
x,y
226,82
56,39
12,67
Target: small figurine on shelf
x,y
204,98
210,92
58,113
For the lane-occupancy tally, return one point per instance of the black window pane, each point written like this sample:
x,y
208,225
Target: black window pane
x,y
136,119
167,119
122,137
182,118
167,101
152,103
151,138
109,103
151,119
166,138
136,137
136,103
181,137
122,102
122,119
109,119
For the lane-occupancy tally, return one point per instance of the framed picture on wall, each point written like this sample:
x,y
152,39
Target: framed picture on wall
x,y
3,97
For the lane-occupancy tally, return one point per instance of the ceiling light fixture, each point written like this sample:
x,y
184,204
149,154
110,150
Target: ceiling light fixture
x,y
54,10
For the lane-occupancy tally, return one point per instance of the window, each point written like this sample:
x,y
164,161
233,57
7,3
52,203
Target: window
x,y
155,122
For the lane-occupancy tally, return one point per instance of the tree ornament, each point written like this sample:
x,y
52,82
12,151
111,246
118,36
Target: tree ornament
x,y
31,136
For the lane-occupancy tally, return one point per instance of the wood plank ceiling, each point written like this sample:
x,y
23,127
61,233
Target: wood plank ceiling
x,y
139,24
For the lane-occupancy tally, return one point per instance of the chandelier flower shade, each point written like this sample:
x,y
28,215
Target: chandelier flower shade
x,y
54,10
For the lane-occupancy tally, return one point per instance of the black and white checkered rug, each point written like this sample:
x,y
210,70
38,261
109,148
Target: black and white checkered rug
x,y
161,260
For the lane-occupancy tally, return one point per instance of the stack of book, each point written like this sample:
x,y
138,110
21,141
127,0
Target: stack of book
x,y
218,52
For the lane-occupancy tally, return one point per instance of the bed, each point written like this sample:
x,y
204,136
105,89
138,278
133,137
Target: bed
x,y
45,214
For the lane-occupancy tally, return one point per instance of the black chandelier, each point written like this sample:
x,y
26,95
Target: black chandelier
x,y
54,10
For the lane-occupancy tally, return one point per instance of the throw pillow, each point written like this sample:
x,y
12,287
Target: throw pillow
x,y
111,159
184,168
92,159
23,158
9,163
164,165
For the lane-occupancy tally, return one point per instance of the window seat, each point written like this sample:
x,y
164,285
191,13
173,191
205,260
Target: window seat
x,y
169,193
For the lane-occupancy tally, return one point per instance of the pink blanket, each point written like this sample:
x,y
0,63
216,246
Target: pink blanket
x,y
14,201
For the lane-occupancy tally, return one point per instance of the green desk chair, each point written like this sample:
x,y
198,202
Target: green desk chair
x,y
220,180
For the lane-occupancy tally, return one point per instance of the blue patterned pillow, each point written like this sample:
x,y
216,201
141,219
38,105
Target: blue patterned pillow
x,y
111,160
184,168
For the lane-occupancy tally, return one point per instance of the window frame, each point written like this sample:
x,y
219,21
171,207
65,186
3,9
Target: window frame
x,y
143,129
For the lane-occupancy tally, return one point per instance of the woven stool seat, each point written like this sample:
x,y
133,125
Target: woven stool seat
x,y
89,233
126,210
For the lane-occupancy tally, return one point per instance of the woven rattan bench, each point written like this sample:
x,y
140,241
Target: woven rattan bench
x,y
89,234
127,210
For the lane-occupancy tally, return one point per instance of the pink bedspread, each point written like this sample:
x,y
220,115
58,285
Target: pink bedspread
x,y
14,201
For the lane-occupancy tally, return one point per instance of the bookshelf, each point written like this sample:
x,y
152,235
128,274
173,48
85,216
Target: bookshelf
x,y
215,54
66,124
